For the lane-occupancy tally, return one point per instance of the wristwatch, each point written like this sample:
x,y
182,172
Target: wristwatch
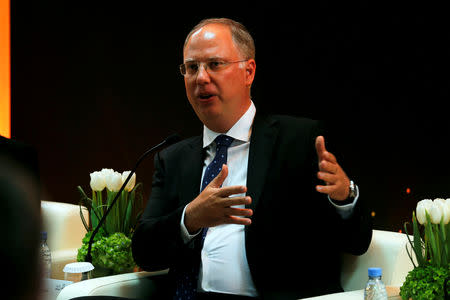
x,y
352,188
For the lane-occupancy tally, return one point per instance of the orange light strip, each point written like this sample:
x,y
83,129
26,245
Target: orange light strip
x,y
5,69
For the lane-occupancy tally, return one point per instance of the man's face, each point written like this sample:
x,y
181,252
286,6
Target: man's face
x,y
219,98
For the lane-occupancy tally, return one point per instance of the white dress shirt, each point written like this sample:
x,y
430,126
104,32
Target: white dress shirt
x,y
224,267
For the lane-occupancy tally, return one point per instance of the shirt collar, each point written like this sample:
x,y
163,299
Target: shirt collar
x,y
241,130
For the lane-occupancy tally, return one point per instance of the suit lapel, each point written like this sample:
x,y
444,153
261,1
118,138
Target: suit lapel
x,y
262,141
191,171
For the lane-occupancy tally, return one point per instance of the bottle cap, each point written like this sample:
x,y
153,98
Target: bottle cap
x,y
374,272
78,267
43,235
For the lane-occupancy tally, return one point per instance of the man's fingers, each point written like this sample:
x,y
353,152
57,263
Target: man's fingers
x,y
328,156
238,220
336,182
236,211
326,166
336,191
326,189
220,178
327,177
320,146
233,201
231,190
322,152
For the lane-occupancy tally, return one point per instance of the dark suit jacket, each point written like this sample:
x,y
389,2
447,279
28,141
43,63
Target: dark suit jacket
x,y
294,243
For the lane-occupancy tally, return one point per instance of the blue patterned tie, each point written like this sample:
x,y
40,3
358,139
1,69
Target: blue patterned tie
x,y
186,280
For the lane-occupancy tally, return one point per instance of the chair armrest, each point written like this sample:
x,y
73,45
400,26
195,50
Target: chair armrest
x,y
387,251
62,221
130,285
65,232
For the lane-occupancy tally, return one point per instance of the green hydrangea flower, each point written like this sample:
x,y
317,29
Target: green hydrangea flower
x,y
112,252
425,283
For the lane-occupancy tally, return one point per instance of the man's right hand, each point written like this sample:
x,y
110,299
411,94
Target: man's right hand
x,y
214,205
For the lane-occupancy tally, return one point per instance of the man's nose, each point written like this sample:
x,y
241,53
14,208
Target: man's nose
x,y
202,74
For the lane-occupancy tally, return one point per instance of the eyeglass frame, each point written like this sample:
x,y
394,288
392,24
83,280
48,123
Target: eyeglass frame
x,y
205,63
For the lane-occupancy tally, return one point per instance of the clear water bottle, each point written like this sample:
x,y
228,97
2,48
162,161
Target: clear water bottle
x,y
46,256
375,289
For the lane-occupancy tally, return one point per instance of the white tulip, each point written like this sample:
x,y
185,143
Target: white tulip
x,y
130,185
97,181
422,207
107,172
447,201
113,181
435,212
445,209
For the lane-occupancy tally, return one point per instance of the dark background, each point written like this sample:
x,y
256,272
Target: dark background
x,y
94,84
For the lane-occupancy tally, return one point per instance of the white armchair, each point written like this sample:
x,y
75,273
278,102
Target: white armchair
x,y
387,250
65,231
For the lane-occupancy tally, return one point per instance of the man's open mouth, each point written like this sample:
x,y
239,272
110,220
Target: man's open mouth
x,y
205,96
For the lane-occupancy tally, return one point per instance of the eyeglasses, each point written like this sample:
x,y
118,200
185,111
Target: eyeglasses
x,y
191,68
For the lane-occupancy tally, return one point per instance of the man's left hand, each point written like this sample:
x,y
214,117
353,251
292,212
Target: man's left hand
x,y
337,183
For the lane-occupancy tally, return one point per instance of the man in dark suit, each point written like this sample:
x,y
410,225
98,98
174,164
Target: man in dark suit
x,y
264,226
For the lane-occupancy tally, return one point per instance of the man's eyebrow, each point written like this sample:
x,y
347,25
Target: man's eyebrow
x,y
215,58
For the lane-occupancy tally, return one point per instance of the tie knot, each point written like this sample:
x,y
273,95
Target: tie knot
x,y
223,140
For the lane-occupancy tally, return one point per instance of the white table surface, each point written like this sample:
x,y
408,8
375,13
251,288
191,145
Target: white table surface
x,y
392,291
50,288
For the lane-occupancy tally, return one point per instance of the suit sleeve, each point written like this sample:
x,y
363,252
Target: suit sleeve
x,y
355,231
157,239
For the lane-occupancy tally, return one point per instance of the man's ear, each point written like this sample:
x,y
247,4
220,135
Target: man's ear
x,y
250,69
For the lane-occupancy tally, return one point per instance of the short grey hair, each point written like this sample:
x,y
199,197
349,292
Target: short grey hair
x,y
239,33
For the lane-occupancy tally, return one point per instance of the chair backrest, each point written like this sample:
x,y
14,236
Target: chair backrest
x,y
387,251
63,224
